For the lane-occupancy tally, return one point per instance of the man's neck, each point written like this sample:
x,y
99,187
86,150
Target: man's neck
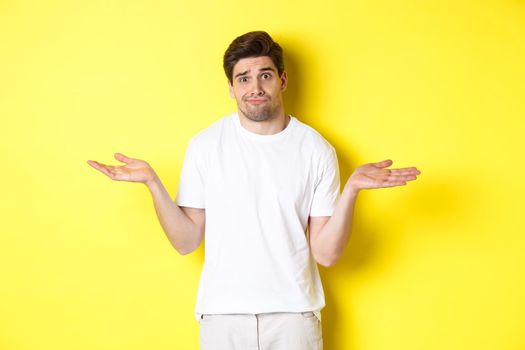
x,y
267,127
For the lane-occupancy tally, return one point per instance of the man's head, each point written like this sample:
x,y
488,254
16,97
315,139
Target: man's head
x,y
254,66
252,44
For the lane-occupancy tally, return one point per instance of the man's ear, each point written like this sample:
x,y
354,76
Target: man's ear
x,y
284,81
230,89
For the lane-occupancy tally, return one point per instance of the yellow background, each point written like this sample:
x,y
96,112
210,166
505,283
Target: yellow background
x,y
437,264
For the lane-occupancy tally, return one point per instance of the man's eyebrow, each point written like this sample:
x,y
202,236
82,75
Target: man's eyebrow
x,y
242,73
260,70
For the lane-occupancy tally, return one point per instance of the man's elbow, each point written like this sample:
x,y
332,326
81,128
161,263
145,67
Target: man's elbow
x,y
188,247
326,260
327,263
184,251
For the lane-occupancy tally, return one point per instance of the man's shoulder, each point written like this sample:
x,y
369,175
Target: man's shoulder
x,y
212,132
314,138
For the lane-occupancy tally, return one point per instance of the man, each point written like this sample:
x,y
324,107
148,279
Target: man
x,y
263,188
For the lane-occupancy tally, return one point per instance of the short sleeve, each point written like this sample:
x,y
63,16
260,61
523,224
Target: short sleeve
x,y
191,185
326,192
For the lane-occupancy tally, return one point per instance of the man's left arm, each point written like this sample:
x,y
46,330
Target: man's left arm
x,y
329,234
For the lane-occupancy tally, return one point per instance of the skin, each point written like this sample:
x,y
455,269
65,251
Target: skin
x,y
257,89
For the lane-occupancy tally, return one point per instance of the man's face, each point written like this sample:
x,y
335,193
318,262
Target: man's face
x,y
257,87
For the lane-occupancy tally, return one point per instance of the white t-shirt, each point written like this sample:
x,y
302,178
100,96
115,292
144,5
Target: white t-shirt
x,y
258,192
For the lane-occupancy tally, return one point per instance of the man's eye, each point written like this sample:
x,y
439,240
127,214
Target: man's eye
x,y
266,76
243,80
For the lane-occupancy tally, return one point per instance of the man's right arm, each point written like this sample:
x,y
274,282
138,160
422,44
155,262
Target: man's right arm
x,y
183,226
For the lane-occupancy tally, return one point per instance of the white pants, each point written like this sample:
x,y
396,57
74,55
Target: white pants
x,y
269,331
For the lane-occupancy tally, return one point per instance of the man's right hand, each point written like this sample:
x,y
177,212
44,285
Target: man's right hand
x,y
135,170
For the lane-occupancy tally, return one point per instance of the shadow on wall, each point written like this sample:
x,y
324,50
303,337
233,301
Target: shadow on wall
x,y
439,201
438,204
333,333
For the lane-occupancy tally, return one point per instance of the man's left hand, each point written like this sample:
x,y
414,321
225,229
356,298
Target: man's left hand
x,y
375,175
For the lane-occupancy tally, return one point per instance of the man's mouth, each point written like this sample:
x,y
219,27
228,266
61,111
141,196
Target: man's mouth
x,y
256,101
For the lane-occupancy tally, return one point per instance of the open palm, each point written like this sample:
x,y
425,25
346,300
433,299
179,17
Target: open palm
x,y
375,175
134,170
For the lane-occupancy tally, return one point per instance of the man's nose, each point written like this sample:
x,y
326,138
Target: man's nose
x,y
256,88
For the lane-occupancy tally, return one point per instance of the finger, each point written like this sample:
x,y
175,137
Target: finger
x,y
408,177
100,167
393,183
119,176
404,178
122,158
108,170
97,165
383,164
405,171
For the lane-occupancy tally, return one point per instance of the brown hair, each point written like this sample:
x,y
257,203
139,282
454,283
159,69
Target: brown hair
x,y
252,44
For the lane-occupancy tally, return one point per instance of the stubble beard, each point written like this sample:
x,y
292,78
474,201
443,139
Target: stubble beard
x,y
259,113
